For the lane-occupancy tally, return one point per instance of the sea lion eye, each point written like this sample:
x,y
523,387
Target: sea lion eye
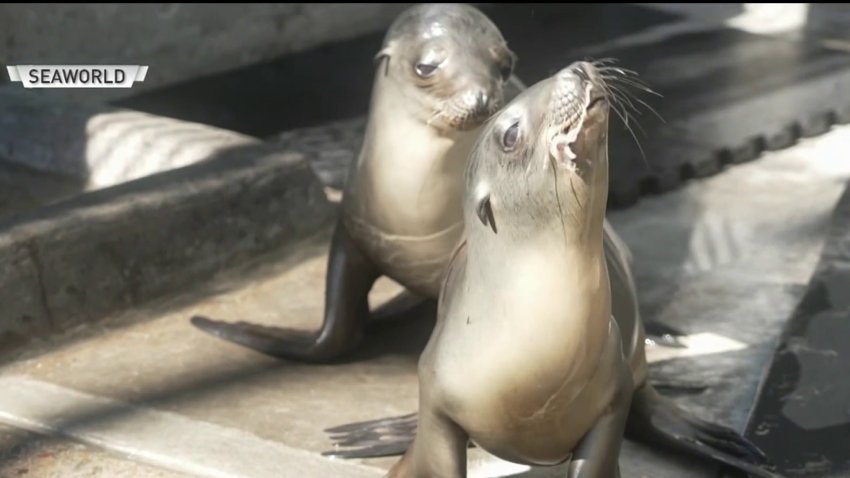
x,y
425,70
509,139
506,60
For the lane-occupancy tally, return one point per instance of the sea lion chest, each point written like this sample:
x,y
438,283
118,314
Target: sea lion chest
x,y
525,360
403,201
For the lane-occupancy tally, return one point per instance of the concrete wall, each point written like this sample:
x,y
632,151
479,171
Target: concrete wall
x,y
178,41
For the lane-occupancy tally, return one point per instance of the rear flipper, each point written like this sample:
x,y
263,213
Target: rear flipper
x,y
685,387
349,279
389,436
655,419
664,334
598,453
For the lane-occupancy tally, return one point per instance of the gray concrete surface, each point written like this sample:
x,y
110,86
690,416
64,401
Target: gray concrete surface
x,y
23,189
115,248
188,445
178,41
24,454
725,259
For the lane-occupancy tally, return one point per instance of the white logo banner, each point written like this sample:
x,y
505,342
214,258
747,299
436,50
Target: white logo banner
x,y
77,76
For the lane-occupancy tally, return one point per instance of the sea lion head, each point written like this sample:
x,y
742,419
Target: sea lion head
x,y
450,62
541,163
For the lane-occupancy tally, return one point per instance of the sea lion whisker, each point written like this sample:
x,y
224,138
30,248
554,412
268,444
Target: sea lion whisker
x,y
624,116
621,95
558,198
599,64
616,72
561,212
635,83
617,105
629,98
625,101
651,109
625,72
575,196
619,111
437,114
621,100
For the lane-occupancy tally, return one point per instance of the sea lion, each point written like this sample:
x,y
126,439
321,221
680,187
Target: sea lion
x,y
532,357
442,70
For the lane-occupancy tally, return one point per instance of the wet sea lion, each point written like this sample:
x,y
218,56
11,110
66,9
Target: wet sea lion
x,y
442,70
534,358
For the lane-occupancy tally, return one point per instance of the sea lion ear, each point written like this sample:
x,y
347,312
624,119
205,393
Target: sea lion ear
x,y
383,54
484,209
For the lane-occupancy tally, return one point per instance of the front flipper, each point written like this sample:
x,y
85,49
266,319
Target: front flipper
x,y
679,386
437,451
391,436
598,453
656,420
349,279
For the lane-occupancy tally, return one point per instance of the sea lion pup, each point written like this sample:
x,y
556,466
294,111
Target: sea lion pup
x,y
441,72
530,359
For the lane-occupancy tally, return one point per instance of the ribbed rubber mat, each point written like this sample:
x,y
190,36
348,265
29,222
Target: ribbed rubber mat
x,y
332,82
727,95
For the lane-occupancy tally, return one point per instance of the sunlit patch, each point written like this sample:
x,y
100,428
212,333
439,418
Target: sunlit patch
x,y
484,465
770,18
705,343
435,30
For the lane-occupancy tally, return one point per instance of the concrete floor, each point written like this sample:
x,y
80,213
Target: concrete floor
x,y
725,259
25,454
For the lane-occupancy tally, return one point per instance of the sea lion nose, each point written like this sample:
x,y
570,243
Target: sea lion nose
x,y
478,100
482,100
580,71
568,82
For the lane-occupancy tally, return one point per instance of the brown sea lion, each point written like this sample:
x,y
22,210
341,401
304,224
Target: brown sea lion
x,y
534,358
443,69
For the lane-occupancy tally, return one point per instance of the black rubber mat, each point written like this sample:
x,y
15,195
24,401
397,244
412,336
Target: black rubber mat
x,y
801,418
727,95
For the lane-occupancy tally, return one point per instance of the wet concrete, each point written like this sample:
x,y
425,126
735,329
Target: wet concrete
x,y
803,411
729,255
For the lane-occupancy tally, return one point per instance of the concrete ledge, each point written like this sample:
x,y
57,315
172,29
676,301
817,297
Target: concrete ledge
x,y
101,145
117,247
160,438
